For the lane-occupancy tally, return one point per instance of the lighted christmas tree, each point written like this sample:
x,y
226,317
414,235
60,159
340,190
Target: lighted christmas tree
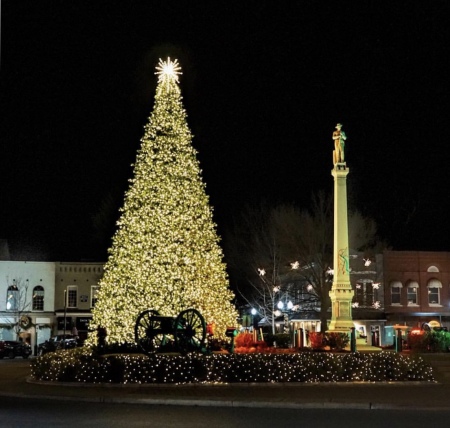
x,y
165,253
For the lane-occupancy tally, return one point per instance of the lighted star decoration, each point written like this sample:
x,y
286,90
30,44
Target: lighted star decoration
x,y
295,265
355,305
276,289
376,285
261,272
168,70
330,271
367,262
376,305
309,287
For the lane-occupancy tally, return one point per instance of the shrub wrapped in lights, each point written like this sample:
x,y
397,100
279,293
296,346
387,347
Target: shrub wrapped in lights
x,y
83,365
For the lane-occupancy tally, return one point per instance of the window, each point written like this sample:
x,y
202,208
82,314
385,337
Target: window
x,y
434,289
366,293
12,298
94,294
411,293
396,293
38,298
375,292
432,269
72,296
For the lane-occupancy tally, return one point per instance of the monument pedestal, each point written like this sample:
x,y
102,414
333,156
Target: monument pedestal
x,y
341,296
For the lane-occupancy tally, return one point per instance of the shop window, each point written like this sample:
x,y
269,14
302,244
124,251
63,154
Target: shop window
x,y
38,298
434,289
411,293
72,296
366,293
396,293
12,298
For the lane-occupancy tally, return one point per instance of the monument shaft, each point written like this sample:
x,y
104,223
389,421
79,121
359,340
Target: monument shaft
x,y
341,293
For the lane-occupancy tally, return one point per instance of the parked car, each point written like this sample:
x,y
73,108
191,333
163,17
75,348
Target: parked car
x,y
13,349
60,341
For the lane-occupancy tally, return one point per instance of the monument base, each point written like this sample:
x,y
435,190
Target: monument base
x,y
341,326
341,295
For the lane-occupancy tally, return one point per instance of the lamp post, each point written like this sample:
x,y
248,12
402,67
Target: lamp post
x,y
284,309
254,326
65,318
276,289
36,338
253,312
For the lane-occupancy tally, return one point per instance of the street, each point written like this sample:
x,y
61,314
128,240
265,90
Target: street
x,y
16,413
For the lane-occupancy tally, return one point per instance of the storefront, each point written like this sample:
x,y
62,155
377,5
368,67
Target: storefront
x,y
75,324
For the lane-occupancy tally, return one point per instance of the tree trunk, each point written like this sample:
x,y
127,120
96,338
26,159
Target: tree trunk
x,y
324,314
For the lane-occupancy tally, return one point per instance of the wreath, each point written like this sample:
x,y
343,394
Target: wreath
x,y
25,322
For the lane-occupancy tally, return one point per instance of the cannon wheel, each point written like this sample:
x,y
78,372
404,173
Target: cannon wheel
x,y
144,331
190,331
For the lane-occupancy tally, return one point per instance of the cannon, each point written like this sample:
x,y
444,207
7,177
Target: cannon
x,y
157,333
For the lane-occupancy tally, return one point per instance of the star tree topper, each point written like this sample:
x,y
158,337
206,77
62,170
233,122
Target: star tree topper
x,y
167,70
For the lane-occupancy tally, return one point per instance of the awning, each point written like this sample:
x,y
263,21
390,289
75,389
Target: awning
x,y
396,284
434,283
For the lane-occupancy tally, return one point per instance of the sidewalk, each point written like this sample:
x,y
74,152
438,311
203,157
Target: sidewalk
x,y
403,395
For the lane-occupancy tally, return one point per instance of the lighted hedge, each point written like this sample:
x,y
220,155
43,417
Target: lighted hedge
x,y
82,365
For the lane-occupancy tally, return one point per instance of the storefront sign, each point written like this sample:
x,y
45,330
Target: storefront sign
x,y
82,323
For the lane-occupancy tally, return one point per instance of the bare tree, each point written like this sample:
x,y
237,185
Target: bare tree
x,y
286,253
258,254
262,248
17,304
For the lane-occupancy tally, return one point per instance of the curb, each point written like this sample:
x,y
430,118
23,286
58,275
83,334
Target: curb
x,y
30,380
231,403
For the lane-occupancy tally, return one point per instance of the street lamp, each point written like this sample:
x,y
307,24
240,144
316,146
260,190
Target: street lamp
x,y
284,309
253,312
65,318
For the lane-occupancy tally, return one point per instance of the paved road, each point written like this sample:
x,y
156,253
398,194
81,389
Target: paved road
x,y
46,413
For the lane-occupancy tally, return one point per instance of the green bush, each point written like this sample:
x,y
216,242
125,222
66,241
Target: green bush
x,y
430,341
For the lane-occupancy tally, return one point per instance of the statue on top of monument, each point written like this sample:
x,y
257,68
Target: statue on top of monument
x,y
339,138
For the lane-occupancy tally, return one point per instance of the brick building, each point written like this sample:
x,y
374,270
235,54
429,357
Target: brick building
x,y
416,288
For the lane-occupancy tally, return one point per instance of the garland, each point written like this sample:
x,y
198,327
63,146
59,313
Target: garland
x,y
25,322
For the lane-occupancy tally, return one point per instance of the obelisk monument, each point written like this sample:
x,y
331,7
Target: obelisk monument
x,y
341,293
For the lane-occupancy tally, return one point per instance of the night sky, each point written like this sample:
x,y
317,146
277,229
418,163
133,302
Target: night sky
x,y
264,84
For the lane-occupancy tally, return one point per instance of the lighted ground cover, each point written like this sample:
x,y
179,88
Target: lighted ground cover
x,y
83,365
